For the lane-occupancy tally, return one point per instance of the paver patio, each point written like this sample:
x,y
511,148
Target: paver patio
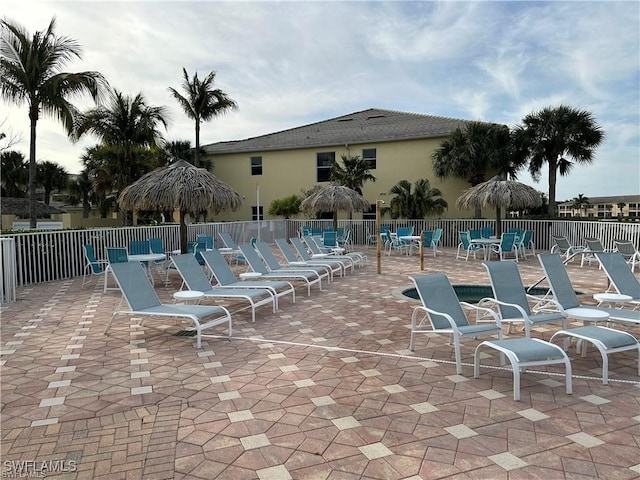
x,y
325,388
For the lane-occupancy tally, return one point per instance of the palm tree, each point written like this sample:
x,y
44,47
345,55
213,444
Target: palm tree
x,y
181,150
423,201
353,173
128,127
580,203
15,174
470,153
201,102
81,190
30,72
620,205
558,137
50,176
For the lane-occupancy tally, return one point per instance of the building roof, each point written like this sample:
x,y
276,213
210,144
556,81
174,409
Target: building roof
x,y
613,200
20,207
367,126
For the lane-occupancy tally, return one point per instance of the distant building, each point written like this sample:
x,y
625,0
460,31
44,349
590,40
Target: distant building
x,y
618,206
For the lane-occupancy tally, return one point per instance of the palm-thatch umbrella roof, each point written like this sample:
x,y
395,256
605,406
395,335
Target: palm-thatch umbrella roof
x,y
182,187
499,193
20,207
333,198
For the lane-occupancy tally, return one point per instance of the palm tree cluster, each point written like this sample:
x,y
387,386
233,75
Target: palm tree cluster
x,y
127,127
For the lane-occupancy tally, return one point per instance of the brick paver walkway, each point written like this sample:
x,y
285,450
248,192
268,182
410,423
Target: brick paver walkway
x,y
325,388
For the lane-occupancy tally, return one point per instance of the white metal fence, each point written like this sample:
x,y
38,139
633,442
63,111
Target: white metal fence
x,y
44,256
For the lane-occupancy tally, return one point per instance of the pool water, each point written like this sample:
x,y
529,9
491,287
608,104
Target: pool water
x,y
473,293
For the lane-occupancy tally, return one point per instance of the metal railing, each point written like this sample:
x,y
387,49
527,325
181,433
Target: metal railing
x,y
41,256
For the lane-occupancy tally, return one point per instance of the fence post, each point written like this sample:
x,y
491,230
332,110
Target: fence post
x,y
8,269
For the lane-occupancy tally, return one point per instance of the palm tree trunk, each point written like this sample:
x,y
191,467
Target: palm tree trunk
x,y
553,171
183,232
33,215
196,157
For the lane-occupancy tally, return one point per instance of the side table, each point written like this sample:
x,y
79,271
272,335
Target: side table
x,y
187,296
611,298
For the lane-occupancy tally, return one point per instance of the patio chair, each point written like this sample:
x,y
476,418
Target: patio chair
x,y
435,240
487,232
156,245
93,266
506,246
143,301
512,300
292,260
274,266
139,247
593,245
396,244
466,246
622,278
628,251
567,301
370,238
525,242
221,271
565,249
235,248
333,262
207,239
114,255
195,280
256,264
475,233
348,257
442,312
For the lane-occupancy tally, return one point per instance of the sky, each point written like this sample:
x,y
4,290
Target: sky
x,y
292,63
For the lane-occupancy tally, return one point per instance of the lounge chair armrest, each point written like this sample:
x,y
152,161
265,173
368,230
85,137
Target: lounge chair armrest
x,y
499,302
429,311
482,313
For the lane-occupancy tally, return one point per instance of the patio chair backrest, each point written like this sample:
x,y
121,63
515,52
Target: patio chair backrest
x,y
139,247
404,231
90,256
620,274
228,241
627,249
286,250
558,280
437,234
216,262
474,234
117,255
465,239
594,244
252,258
135,285
191,272
267,255
196,248
437,293
507,286
487,232
562,243
207,239
329,238
527,236
516,230
507,241
427,237
156,245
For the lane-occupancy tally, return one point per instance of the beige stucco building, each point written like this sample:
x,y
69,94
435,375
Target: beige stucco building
x,y
398,145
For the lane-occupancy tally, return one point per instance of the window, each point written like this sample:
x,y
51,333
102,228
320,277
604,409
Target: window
x,y
254,213
324,162
369,156
371,214
256,165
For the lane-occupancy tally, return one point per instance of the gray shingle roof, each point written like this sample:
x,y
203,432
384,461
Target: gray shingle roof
x,y
20,207
367,126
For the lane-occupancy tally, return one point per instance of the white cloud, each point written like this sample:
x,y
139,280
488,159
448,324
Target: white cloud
x,y
292,63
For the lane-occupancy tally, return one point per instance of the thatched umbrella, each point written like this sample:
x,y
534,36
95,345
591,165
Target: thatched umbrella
x,y
333,198
182,187
499,193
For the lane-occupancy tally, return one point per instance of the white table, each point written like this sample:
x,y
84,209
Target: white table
x,y
147,258
187,296
486,245
611,298
413,240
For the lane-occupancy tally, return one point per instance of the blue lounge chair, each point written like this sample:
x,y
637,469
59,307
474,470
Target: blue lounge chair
x,y
316,249
274,266
441,312
225,277
330,261
567,300
292,260
620,275
510,297
255,263
143,300
195,279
